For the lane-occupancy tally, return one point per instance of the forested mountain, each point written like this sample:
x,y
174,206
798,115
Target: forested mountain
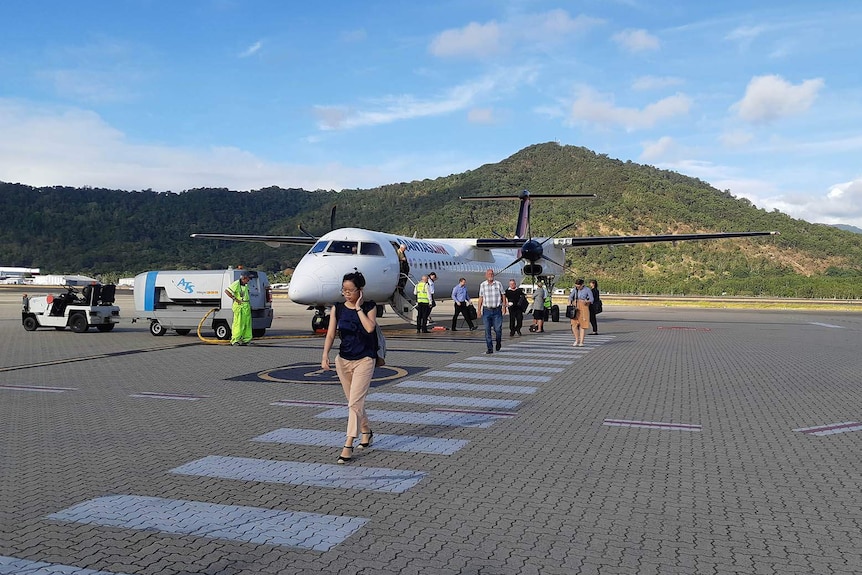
x,y
97,231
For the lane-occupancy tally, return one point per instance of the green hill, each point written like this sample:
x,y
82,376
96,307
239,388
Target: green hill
x,y
100,231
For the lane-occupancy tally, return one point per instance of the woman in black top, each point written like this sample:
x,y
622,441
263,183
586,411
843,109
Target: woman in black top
x,y
516,312
596,306
355,320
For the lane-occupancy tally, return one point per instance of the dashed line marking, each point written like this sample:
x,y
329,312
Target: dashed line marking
x,y
38,388
653,425
831,428
179,396
382,441
299,473
215,521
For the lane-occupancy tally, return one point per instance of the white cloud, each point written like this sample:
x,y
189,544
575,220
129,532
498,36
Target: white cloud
x,y
251,50
474,40
768,98
735,138
481,116
405,107
590,108
662,149
75,147
636,40
524,33
646,83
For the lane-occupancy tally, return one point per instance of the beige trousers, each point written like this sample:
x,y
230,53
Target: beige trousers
x,y
355,376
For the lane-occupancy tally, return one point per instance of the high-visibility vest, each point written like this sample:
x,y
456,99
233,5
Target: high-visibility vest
x,y
547,302
422,293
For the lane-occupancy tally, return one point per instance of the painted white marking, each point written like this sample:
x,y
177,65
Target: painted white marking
x,y
494,376
233,522
443,400
494,413
527,356
382,441
832,428
453,418
653,425
13,566
467,386
533,368
299,473
179,396
38,388
499,357
300,403
826,325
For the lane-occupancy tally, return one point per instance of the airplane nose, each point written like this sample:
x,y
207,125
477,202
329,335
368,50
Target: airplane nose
x,y
315,283
304,288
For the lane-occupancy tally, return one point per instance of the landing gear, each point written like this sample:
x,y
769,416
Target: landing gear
x,y
320,321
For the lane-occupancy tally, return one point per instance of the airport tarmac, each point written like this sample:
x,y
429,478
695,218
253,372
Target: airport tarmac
x,y
676,441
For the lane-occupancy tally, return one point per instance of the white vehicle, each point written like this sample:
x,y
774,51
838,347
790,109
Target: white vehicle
x,y
92,307
179,300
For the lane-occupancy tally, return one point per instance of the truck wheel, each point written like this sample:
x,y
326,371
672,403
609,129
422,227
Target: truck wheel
x,y
222,330
555,313
30,323
258,332
183,331
157,329
105,326
78,323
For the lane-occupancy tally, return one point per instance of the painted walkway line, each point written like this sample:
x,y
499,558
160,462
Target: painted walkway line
x,y
419,384
653,425
832,428
497,357
215,521
298,473
443,400
826,325
527,356
382,441
449,417
178,396
38,388
495,376
533,368
13,566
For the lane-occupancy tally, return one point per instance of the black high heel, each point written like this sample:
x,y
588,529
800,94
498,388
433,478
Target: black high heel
x,y
368,443
342,460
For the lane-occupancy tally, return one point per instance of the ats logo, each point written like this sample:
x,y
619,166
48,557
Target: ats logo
x,y
185,286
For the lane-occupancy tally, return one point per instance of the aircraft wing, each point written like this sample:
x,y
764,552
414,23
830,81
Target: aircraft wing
x,y
619,240
272,241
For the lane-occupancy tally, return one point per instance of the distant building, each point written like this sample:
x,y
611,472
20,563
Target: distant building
x,y
65,280
14,273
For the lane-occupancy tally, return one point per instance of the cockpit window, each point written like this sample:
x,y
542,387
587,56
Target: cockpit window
x,y
370,249
318,247
338,247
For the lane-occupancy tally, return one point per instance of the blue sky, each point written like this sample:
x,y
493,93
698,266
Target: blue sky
x,y
760,98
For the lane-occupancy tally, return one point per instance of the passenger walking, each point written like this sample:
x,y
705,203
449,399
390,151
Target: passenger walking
x,y
423,305
461,301
516,313
581,297
492,306
538,308
355,321
596,306
240,333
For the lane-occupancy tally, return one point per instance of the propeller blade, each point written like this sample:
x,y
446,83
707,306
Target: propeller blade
x,y
306,232
499,235
544,257
565,227
510,265
332,218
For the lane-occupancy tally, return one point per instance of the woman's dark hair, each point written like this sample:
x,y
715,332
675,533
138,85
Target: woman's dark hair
x,y
595,282
356,278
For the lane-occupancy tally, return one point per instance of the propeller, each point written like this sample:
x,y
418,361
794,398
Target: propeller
x,y
331,223
532,251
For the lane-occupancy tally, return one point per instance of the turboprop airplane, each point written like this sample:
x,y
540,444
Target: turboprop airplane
x,y
316,280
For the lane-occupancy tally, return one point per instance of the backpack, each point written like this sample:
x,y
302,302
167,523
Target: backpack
x,y
523,304
380,347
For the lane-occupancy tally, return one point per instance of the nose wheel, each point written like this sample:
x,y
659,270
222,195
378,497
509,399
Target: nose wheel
x,y
320,321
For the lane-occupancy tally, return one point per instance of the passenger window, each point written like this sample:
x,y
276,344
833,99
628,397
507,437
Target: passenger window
x,y
370,249
337,247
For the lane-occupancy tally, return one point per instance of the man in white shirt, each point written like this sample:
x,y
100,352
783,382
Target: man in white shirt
x,y
492,306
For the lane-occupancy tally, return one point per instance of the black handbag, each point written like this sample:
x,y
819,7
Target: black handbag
x,y
571,311
598,307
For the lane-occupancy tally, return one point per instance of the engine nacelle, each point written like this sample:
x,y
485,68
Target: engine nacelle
x,y
532,270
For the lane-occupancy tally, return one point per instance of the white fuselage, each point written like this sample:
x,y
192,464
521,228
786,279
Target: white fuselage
x,y
317,278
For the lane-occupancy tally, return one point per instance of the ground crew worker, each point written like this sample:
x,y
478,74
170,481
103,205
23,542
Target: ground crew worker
x,y
547,304
239,293
423,305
